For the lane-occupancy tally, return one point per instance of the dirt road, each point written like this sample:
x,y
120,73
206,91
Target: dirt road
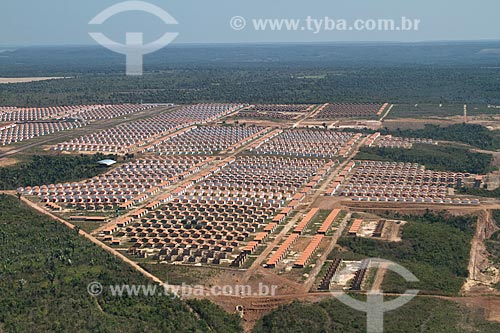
x,y
94,240
387,113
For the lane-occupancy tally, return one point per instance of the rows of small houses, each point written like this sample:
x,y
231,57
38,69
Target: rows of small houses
x,y
126,185
275,111
309,143
398,182
28,123
32,114
18,132
196,230
125,137
112,111
207,140
87,112
276,177
269,115
289,108
314,242
236,204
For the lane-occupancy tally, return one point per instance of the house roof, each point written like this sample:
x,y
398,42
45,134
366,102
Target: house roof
x,y
107,162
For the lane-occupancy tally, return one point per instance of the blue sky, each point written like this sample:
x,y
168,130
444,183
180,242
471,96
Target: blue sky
x,y
58,22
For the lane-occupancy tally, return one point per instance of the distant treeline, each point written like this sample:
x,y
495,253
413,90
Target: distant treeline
x,y
308,73
263,84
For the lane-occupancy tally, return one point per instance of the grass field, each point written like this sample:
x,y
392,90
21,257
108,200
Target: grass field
x,y
435,110
5,80
478,109
425,110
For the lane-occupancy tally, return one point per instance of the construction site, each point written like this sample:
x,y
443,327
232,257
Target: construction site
x,y
255,193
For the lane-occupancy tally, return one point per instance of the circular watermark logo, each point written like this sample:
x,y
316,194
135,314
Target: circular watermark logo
x,y
375,306
238,23
134,48
94,288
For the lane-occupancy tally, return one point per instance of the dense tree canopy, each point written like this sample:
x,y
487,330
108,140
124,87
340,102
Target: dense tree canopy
x,y
49,169
419,315
439,158
433,245
316,73
44,272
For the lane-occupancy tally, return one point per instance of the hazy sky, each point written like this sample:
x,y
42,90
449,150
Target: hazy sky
x,y
35,22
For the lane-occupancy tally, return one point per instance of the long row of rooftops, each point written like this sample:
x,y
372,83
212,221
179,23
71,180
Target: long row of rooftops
x,y
20,124
85,112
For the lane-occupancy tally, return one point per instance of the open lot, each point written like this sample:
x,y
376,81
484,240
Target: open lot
x,y
5,80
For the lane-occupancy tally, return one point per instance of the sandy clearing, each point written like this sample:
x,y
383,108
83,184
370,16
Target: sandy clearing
x,y
482,273
4,162
5,80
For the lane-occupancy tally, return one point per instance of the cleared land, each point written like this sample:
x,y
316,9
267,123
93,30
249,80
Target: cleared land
x,y
213,203
5,80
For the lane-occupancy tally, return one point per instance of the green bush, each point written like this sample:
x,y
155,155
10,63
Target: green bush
x,y
215,317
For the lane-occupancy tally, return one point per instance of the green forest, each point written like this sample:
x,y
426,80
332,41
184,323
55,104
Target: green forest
x,y
51,169
433,245
480,192
319,84
434,157
284,73
471,134
44,272
422,314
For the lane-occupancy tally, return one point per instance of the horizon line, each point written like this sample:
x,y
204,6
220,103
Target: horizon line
x,y
271,43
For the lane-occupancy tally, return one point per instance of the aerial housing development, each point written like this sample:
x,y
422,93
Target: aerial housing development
x,y
249,174
212,187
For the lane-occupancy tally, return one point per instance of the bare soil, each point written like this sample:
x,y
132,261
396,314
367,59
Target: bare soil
x,y
482,273
5,80
4,162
